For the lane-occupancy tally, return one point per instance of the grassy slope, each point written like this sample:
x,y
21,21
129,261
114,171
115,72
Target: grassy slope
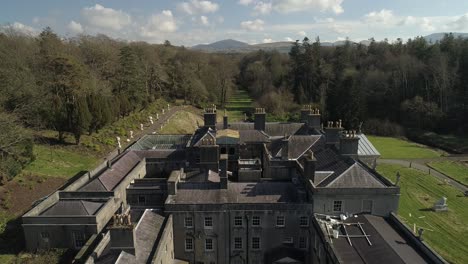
x,y
182,122
453,169
237,104
59,162
393,148
445,231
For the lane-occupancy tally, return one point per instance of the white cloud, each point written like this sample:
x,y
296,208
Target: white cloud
x,y
288,39
75,27
287,6
106,18
198,7
427,25
267,40
19,27
460,23
245,2
253,25
383,16
262,8
340,28
159,24
302,33
204,20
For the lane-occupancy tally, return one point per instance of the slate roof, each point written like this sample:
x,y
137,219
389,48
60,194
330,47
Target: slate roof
x,y
73,207
252,135
271,128
146,232
297,145
110,178
355,176
388,246
200,134
239,192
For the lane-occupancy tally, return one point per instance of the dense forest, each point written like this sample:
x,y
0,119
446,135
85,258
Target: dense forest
x,y
387,86
77,86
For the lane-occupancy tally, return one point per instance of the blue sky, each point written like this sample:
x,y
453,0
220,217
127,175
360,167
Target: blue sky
x,y
190,22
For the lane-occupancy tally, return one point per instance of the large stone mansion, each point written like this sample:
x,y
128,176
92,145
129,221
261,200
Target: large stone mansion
x,y
245,192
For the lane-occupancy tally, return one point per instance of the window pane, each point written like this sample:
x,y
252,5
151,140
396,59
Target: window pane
x,y
256,220
280,220
238,221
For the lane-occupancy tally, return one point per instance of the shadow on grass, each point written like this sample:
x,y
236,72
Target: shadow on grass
x,y
51,141
12,238
426,209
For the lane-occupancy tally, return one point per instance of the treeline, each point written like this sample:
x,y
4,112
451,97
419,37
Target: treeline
x,y
415,84
79,85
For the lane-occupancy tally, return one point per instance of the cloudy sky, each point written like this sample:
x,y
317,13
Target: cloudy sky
x,y
190,22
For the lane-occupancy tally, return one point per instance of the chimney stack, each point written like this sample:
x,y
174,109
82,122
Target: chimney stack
x,y
210,117
309,166
122,234
285,148
349,143
313,119
225,120
305,112
223,165
209,154
332,132
260,119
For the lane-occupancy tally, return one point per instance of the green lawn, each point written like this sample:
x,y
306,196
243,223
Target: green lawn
x,y
454,169
59,162
182,122
394,148
237,104
446,232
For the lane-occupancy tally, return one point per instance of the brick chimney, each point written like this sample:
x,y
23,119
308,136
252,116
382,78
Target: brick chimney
x,y
260,119
332,132
225,120
209,117
313,119
285,148
223,166
309,166
349,143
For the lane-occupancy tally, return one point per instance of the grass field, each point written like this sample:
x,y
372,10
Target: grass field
x,y
182,122
444,231
394,148
237,105
59,162
455,170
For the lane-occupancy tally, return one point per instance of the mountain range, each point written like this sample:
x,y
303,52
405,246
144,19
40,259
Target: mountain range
x,y
235,46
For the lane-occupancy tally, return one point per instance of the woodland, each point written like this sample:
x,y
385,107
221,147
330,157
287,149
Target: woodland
x,y
76,86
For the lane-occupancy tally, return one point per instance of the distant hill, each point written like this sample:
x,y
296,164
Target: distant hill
x,y
235,46
231,45
433,38
222,46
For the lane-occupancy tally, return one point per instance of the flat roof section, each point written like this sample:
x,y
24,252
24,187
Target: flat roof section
x,y
370,239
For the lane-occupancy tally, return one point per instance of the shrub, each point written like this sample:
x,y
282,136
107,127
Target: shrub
x,y
383,128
